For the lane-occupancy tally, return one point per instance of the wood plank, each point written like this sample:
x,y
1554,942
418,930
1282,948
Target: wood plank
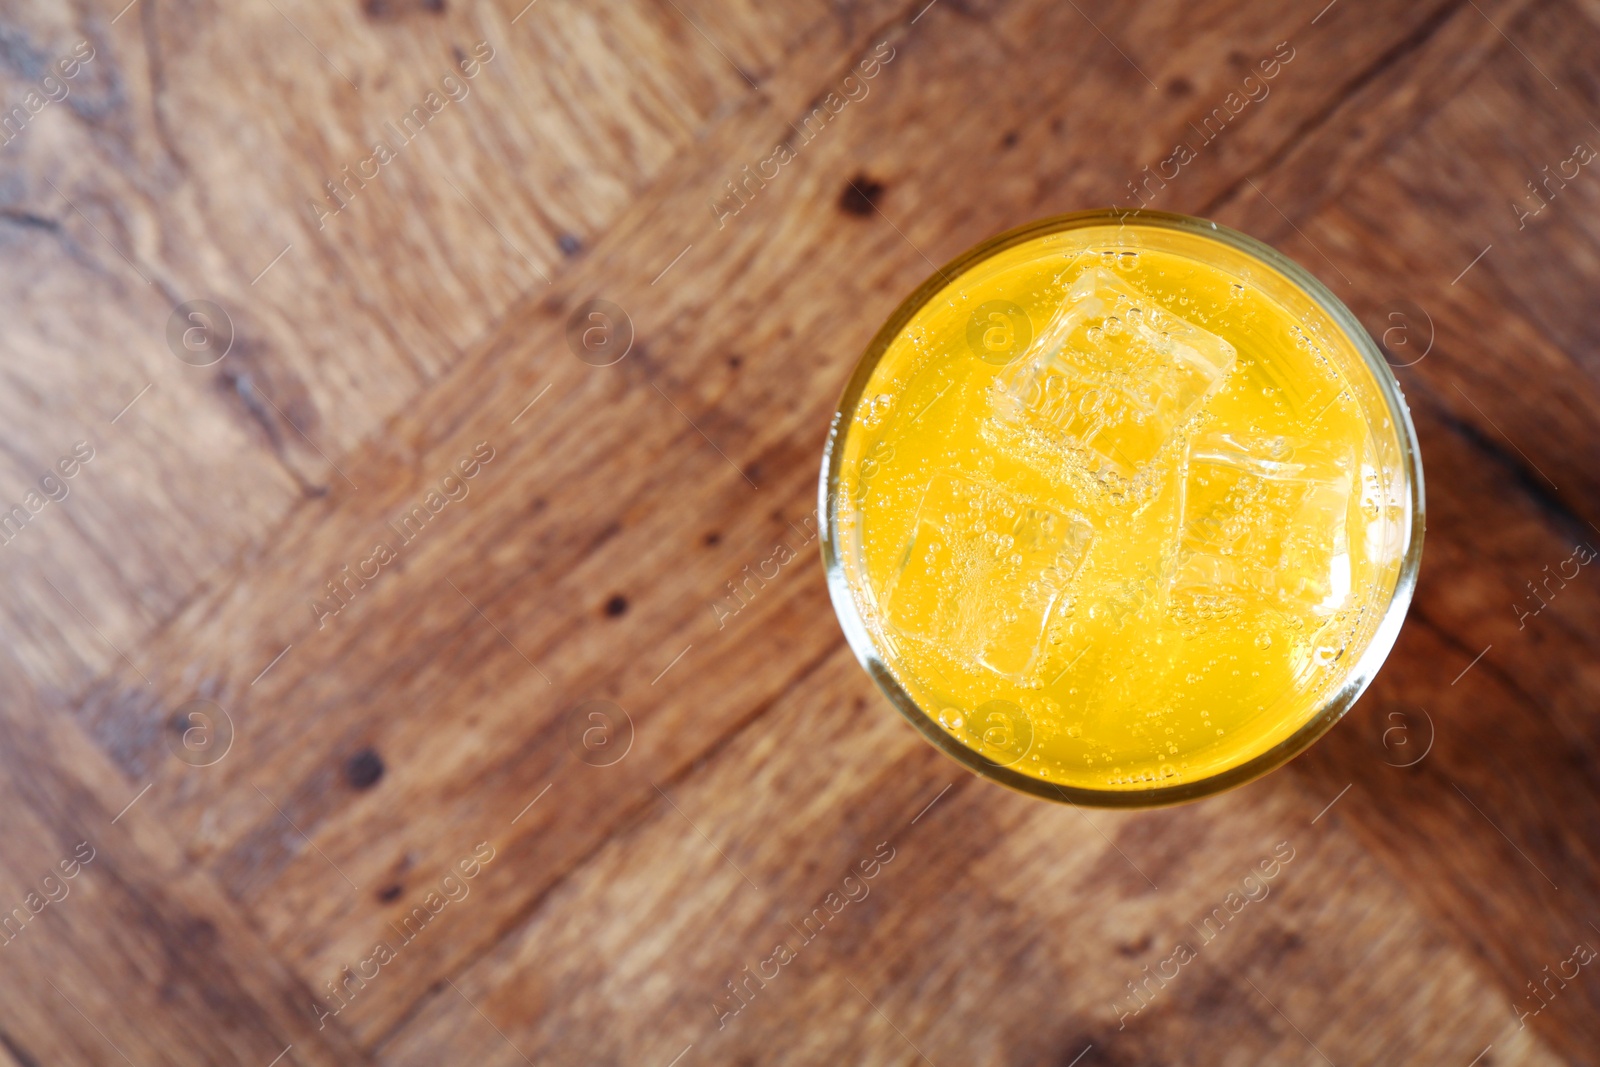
x,y
1000,930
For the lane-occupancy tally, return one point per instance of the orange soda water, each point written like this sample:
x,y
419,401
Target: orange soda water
x,y
1119,509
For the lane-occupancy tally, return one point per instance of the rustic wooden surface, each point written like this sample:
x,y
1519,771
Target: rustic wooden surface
x,y
1442,837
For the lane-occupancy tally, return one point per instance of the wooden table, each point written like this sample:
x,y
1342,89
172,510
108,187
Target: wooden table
x,y
312,588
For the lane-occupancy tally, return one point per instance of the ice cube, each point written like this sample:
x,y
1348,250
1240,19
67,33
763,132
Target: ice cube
x,y
1113,373
981,573
1265,518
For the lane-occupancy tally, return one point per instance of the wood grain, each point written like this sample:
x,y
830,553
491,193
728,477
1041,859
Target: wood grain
x,y
116,948
391,733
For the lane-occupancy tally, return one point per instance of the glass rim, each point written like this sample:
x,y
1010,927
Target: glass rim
x,y
1332,709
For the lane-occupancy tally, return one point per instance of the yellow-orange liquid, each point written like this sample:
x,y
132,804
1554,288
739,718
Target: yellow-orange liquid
x,y
1111,511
